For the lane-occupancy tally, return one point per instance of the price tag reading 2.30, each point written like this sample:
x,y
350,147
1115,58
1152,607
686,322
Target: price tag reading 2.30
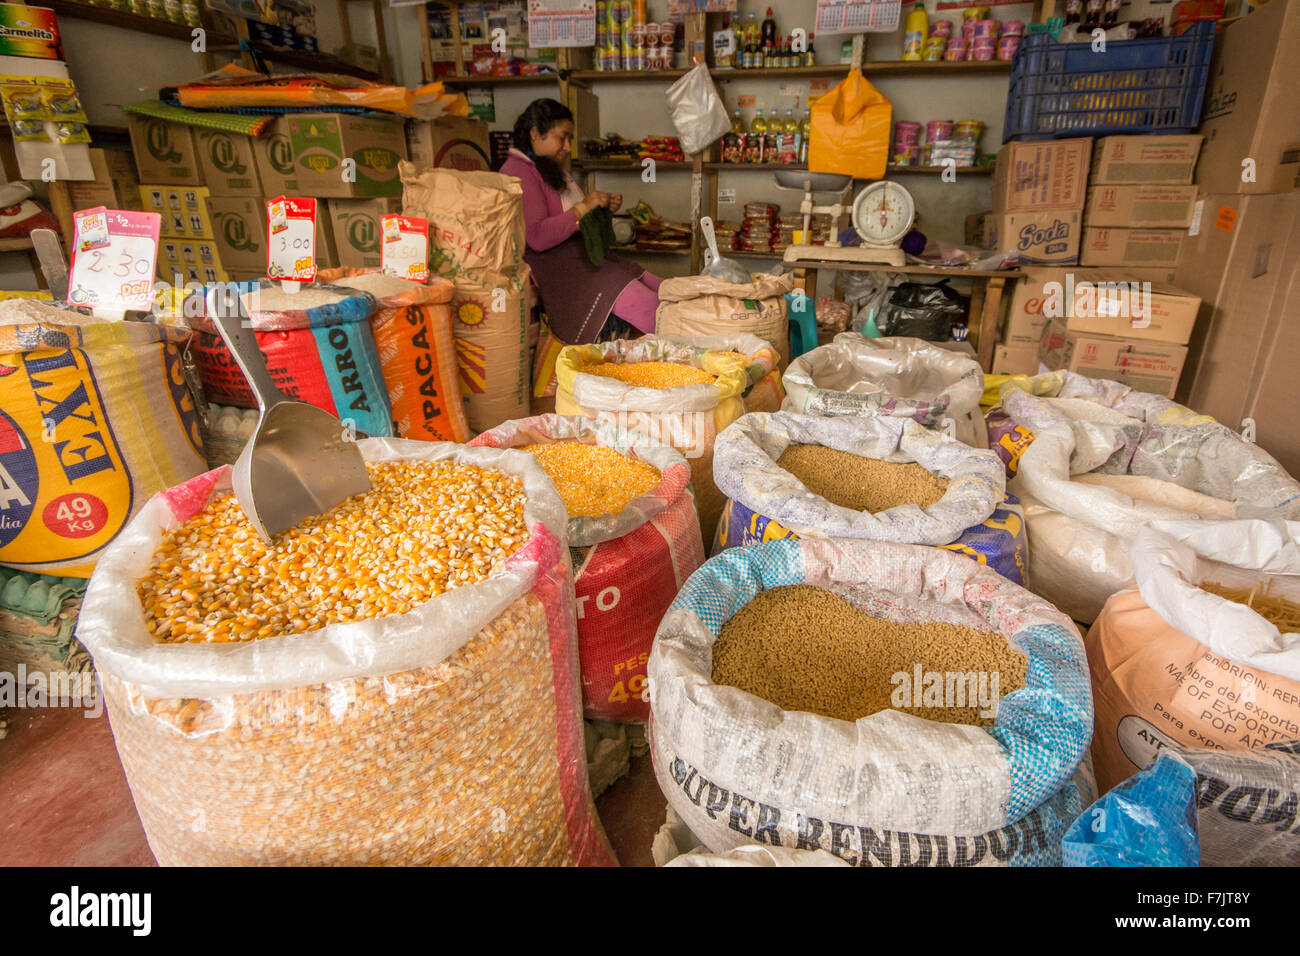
x,y
114,254
291,228
404,251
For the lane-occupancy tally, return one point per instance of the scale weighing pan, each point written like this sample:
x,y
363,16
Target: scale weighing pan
x,y
811,182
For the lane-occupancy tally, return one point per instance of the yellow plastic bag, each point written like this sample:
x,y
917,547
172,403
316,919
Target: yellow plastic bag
x,y
850,130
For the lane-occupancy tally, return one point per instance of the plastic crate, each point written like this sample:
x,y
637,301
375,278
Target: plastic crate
x,y
1135,86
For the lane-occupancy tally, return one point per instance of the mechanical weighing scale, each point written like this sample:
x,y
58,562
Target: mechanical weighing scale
x,y
881,214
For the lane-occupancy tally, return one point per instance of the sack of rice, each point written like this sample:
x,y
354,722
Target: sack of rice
x,y
703,305
1088,488
676,394
1024,400
365,689
892,704
890,378
95,417
764,393
412,330
1205,653
318,347
634,538
880,479
476,241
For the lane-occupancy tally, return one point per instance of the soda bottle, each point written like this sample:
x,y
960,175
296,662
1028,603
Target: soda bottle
x,y
768,29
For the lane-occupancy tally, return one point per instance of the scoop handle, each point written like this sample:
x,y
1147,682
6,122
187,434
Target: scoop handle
x,y
243,346
706,227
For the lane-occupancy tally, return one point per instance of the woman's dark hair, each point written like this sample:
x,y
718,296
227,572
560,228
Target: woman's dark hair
x,y
541,115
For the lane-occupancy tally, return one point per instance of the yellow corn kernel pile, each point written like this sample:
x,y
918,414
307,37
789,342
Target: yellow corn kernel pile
x,y
651,374
593,480
422,529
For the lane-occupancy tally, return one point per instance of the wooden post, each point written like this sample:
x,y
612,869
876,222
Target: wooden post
x,y
426,47
345,23
61,207
381,39
989,315
697,210
455,38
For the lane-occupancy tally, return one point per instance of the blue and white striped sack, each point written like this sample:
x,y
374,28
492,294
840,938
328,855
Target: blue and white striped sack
x,y
889,789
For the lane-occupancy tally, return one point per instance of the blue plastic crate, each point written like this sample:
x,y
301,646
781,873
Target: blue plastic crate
x,y
1135,86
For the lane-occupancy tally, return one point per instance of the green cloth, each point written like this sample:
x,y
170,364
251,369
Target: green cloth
x,y
230,122
597,229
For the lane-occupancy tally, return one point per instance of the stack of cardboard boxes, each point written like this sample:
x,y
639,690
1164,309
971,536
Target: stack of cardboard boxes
x,y
1243,252
212,185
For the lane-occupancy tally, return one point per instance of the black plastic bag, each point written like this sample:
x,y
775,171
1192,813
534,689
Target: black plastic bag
x,y
922,311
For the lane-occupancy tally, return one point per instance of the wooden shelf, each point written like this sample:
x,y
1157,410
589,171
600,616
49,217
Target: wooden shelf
x,y
625,76
634,251
498,80
753,167
129,21
16,245
315,62
938,170
628,165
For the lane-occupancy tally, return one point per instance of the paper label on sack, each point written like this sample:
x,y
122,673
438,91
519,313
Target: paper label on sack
x,y
404,249
291,228
114,255
1197,211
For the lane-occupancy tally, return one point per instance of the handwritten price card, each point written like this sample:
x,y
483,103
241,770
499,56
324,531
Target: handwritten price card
x,y
404,251
291,230
114,255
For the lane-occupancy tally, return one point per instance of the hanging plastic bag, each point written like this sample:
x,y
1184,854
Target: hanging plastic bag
x,y
697,111
850,130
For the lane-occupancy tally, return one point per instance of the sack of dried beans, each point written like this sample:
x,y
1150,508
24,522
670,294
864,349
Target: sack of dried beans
x,y
890,378
881,479
363,690
1205,652
634,538
895,705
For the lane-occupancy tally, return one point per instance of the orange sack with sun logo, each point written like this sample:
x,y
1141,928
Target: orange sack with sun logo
x,y
476,242
412,330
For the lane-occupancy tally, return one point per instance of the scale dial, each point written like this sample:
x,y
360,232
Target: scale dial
x,y
883,213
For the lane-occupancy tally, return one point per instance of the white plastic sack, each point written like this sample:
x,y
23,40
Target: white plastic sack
x,y
890,788
745,469
697,111
1079,533
675,845
895,377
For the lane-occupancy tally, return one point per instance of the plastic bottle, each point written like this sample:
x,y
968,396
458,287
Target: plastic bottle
x,y
758,131
751,44
914,32
769,29
753,149
733,143
805,133
790,139
768,57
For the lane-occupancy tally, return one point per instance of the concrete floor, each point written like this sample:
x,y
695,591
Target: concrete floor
x,y
64,800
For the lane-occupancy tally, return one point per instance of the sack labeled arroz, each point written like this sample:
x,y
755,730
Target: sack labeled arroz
x,y
739,770
628,567
765,502
357,744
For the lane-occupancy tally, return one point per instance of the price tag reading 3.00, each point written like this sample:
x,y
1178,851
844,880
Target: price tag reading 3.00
x,y
291,251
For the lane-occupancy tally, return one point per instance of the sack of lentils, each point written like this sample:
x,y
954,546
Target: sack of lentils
x,y
760,358
890,378
634,538
1088,488
412,330
677,394
881,479
893,704
1024,402
363,690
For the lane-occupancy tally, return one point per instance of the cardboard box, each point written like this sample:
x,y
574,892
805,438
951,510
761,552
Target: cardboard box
x,y
450,141
356,229
1140,207
239,230
1251,101
1026,316
1140,364
327,255
1113,302
1038,176
1015,360
1122,247
273,153
229,163
114,185
322,142
1050,237
164,152
184,210
1147,160
195,260
1287,177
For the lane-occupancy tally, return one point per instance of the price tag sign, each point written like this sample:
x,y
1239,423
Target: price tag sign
x,y
114,255
291,249
404,251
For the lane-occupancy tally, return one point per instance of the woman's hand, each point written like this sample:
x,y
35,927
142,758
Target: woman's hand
x,y
596,198
615,201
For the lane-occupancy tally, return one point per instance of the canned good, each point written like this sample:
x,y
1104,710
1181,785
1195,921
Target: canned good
x,y
1007,47
636,35
667,33
927,153
968,28
938,129
1013,28
956,49
933,49
906,133
907,155
970,130
941,28
651,35
983,52
985,29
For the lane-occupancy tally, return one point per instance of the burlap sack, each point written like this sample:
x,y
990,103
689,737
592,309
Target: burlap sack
x,y
702,305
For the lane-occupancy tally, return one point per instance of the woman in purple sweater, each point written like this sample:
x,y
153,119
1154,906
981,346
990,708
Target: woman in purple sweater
x,y
584,303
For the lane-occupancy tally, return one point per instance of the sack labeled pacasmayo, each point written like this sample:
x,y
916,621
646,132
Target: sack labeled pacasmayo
x,y
765,502
449,735
890,789
628,567
691,306
94,418
850,130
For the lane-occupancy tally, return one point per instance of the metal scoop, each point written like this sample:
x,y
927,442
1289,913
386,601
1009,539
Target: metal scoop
x,y
728,270
300,461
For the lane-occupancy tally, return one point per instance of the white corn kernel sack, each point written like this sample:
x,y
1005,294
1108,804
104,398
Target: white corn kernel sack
x,y
894,377
687,417
766,502
1174,665
691,306
1079,532
890,788
628,566
765,393
394,740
